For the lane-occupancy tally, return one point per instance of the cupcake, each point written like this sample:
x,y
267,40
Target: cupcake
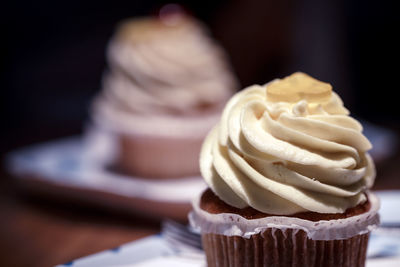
x,y
165,87
289,173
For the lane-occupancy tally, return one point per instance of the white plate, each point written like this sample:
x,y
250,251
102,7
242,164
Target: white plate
x,y
65,168
390,207
154,251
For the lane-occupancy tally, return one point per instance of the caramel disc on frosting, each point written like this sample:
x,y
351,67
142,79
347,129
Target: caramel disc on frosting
x,y
299,86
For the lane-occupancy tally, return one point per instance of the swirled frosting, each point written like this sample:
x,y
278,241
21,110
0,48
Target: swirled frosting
x,y
163,70
286,147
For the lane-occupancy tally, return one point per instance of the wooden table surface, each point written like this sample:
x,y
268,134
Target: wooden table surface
x,y
38,231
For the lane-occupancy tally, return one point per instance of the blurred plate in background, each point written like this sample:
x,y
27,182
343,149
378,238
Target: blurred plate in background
x,y
63,168
75,168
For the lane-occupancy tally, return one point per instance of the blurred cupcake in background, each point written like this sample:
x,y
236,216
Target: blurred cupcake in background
x,y
166,84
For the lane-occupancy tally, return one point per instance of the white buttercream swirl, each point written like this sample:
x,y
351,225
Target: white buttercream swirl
x,y
161,69
287,157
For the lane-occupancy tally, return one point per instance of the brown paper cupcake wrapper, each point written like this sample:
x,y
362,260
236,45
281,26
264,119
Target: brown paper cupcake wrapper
x,y
230,224
276,247
231,240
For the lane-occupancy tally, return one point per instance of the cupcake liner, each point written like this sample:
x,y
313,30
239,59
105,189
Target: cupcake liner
x,y
288,247
229,224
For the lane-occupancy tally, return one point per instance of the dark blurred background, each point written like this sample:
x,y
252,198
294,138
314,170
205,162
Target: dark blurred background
x,y
53,54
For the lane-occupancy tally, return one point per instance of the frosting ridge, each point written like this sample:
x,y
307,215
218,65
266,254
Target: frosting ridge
x,y
284,150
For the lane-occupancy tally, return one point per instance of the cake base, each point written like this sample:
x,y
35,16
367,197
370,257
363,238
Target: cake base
x,y
213,204
158,157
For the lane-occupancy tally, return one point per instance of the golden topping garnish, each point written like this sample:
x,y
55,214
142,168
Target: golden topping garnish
x,y
147,28
299,86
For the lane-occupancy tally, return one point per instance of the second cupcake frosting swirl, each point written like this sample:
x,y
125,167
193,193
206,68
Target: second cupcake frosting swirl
x,y
289,146
160,69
